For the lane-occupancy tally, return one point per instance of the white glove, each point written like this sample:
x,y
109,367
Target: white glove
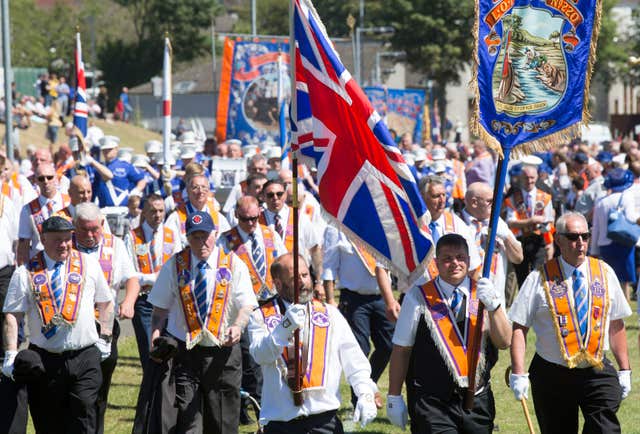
x,y
397,411
104,347
7,364
519,383
487,294
88,159
624,378
292,320
366,410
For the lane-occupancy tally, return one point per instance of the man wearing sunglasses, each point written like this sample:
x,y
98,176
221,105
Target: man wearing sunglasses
x,y
576,307
279,216
38,210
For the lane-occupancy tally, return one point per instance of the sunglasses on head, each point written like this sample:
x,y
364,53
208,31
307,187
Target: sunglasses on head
x,y
248,219
574,237
279,194
43,178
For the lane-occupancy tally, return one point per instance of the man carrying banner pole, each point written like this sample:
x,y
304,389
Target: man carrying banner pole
x,y
533,101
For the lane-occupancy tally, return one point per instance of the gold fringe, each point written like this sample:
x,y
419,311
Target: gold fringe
x,y
547,142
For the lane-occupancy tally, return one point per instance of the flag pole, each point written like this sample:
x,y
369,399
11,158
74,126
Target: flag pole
x,y
166,102
498,195
297,389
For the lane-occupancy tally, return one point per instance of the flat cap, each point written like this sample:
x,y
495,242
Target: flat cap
x,y
56,224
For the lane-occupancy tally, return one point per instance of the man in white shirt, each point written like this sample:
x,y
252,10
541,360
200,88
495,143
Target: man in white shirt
x,y
150,245
37,211
206,296
328,349
576,307
433,335
62,330
117,267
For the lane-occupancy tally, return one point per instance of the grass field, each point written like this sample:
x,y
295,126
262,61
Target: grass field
x,y
509,417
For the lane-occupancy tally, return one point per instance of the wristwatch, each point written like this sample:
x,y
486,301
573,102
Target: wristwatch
x,y
106,338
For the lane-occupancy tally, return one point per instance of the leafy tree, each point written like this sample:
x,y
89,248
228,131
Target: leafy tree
x,y
613,49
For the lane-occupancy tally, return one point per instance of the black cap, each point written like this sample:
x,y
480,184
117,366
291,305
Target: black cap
x,y
56,224
28,367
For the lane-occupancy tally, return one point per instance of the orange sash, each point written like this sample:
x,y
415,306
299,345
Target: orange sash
x,y
214,323
142,249
15,182
263,288
6,189
288,230
106,257
52,315
37,213
454,344
315,353
64,213
183,213
517,204
460,185
556,288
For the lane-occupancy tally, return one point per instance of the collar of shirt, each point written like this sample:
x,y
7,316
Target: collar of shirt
x,y
567,269
245,235
50,263
283,213
470,220
148,230
56,199
447,288
211,261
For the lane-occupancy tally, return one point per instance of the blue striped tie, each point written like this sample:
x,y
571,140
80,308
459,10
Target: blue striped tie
x,y
56,284
434,232
258,256
456,302
581,301
201,289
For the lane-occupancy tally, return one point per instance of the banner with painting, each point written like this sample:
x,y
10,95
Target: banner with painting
x,y
402,109
248,103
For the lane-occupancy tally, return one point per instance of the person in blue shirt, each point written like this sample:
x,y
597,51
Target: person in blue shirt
x,y
126,178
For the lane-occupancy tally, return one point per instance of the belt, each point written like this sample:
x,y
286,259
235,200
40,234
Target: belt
x,y
64,354
359,293
327,414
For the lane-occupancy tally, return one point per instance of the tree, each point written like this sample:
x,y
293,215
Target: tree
x,y
435,34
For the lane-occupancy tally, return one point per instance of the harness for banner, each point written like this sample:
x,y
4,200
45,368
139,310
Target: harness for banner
x,y
532,69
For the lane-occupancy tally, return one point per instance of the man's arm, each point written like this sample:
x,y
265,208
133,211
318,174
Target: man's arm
x,y
132,289
158,320
329,287
618,343
513,248
10,330
316,260
398,367
105,173
234,331
499,328
518,348
105,317
392,307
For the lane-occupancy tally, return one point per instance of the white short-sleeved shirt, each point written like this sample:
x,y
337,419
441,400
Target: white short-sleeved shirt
x,y
345,356
530,309
309,236
601,217
8,231
83,333
165,293
173,221
149,279
548,212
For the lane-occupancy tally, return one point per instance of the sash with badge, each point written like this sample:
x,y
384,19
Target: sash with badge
x,y
288,230
186,209
576,349
213,325
37,211
145,254
455,345
314,350
106,257
262,287
50,313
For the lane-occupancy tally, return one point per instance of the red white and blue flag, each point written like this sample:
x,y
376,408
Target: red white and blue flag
x,y
364,182
80,108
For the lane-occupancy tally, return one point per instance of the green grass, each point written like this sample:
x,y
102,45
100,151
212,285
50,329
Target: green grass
x,y
509,416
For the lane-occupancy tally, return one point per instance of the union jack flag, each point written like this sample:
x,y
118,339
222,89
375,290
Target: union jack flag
x,y
364,182
80,109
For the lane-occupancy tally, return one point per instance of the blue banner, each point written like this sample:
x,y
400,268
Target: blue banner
x,y
248,103
533,71
401,109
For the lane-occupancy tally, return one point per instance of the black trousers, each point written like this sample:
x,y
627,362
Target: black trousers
x,y
559,392
436,416
251,373
107,366
13,406
534,256
64,401
323,423
208,389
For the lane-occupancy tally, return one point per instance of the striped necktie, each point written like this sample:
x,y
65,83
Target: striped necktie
x,y
152,250
201,290
257,255
56,284
433,228
277,225
456,301
581,301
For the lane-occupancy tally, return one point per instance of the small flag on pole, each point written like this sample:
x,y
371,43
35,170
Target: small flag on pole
x,y
80,109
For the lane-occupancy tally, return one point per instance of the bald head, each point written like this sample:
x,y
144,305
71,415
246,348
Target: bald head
x,y
80,190
478,200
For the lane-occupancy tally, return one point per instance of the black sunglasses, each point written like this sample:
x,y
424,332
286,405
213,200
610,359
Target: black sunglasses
x,y
248,219
42,178
274,194
574,237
